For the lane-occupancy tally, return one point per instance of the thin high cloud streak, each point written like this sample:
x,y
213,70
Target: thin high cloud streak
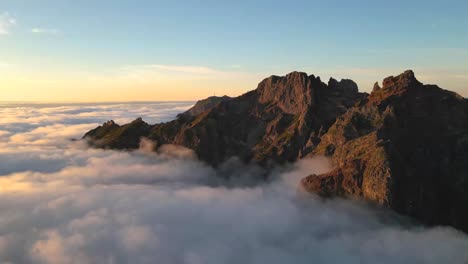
x,y
45,31
61,202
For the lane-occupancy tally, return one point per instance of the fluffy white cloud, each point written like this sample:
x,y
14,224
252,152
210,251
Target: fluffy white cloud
x,y
61,202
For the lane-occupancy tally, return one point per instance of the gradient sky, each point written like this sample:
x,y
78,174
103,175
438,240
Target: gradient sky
x,y
88,50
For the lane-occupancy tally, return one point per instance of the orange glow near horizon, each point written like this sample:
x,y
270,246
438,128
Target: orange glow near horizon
x,y
131,87
172,83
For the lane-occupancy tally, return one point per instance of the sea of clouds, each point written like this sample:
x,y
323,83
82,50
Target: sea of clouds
x,y
62,202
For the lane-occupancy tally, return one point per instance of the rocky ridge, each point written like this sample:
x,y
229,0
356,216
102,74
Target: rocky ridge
x,y
404,146
282,120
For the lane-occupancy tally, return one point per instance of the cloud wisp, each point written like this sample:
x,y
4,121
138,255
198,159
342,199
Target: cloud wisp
x,y
145,73
6,23
45,31
61,202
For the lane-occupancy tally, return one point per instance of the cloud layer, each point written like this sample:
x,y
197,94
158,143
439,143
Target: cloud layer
x,y
61,202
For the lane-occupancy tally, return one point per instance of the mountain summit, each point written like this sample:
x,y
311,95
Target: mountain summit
x,y
404,146
282,120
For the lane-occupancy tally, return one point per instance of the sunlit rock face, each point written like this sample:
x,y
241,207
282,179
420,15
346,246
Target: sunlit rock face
x,y
405,147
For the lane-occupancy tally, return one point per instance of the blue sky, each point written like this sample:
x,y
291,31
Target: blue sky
x,y
362,40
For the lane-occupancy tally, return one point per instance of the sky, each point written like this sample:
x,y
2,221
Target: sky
x,y
122,50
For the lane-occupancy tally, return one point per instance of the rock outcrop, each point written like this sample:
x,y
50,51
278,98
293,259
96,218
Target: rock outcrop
x,y
113,136
404,146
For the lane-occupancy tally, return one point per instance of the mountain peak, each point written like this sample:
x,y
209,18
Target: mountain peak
x,y
376,87
296,92
109,123
138,120
345,85
296,75
405,80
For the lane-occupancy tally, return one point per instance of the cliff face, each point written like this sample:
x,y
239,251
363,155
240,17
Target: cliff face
x,y
282,120
404,146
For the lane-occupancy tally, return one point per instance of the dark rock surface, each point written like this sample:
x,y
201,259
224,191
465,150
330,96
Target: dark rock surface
x,y
113,136
404,146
